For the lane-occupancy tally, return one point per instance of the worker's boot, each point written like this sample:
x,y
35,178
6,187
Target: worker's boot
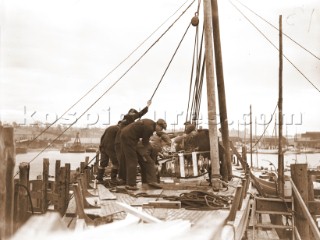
x,y
100,175
114,174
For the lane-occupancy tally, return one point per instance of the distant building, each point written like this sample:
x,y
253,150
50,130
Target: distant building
x,y
308,140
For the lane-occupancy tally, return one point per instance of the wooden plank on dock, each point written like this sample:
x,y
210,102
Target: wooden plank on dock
x,y
72,208
104,193
144,216
142,200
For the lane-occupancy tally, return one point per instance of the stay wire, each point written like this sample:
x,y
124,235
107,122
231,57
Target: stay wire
x,y
191,75
175,52
261,136
195,53
112,84
108,74
195,101
311,53
273,45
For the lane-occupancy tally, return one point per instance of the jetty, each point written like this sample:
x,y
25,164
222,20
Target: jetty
x,y
74,206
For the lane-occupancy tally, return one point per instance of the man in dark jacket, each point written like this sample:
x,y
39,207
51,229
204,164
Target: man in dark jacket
x,y
107,151
130,117
130,136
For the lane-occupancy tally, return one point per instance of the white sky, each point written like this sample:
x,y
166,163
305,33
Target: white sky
x,y
53,52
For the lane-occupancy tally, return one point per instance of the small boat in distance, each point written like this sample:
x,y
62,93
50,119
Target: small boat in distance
x,y
76,147
91,149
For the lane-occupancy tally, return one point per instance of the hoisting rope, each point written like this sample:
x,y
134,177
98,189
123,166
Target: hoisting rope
x,y
197,88
195,53
197,94
174,54
105,92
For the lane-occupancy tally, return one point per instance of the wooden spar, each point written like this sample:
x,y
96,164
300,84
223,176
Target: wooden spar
x,y
280,153
226,166
212,121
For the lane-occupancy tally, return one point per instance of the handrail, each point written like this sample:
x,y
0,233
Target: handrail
x,y
305,211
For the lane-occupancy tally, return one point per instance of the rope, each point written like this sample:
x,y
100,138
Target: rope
x,y
266,127
192,68
174,54
194,200
199,200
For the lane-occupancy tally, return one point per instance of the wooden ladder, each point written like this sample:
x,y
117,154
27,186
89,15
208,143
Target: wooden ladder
x,y
271,218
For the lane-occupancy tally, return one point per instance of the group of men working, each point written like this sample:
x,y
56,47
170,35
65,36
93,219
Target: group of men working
x,y
126,145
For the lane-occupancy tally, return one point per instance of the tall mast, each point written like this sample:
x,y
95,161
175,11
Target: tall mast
x,y
221,91
211,95
280,153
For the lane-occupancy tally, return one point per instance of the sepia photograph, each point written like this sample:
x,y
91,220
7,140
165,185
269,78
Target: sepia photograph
x,y
171,119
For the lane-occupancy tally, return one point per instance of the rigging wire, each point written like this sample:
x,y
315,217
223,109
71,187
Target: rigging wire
x,y
192,69
261,136
108,74
273,45
311,53
174,54
198,85
105,92
195,53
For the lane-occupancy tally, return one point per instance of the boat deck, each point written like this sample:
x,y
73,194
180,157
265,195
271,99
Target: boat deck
x,y
165,213
144,198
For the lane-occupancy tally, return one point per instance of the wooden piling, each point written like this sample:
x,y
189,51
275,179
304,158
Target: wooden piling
x,y
22,199
300,179
63,194
82,166
311,198
57,182
7,161
45,176
67,185
96,163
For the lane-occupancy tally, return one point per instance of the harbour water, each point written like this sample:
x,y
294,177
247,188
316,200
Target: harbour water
x,y
265,160
36,161
258,160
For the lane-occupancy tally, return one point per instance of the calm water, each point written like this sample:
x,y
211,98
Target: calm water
x,y
36,165
258,160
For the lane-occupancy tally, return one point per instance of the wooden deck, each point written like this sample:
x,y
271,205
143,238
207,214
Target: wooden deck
x,y
166,219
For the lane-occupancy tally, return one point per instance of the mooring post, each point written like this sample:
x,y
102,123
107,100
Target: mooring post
x,y
62,191
299,176
311,198
57,182
82,166
23,186
67,185
7,161
96,164
45,176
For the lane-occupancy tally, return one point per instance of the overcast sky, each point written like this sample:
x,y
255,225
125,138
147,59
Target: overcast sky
x,y
54,52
